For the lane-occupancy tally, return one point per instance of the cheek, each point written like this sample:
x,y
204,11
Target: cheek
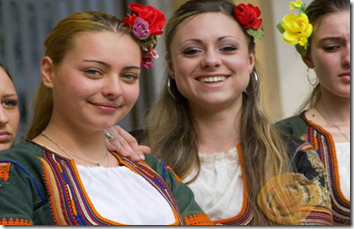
x,y
14,117
131,94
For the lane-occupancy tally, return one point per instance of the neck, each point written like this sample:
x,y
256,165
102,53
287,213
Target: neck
x,y
337,109
77,142
217,131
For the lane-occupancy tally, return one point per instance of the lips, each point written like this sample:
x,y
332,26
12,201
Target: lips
x,y
5,137
212,79
345,77
106,107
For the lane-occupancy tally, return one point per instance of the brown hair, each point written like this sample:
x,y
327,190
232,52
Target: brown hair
x,y
58,43
315,12
6,71
172,135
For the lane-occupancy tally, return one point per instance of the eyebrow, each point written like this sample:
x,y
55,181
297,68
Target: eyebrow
x,y
109,66
330,38
200,41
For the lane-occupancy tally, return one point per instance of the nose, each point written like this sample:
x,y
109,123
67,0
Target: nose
x,y
112,88
4,119
211,60
346,57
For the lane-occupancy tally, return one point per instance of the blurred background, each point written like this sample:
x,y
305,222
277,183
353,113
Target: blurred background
x,y
24,25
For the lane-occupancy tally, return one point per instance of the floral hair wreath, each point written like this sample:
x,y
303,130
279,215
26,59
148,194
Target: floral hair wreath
x,y
146,23
247,16
296,29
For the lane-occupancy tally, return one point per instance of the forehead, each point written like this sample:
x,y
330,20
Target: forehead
x,y
6,85
334,24
209,25
105,45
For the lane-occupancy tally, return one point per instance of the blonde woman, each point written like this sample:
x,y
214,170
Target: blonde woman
x,y
209,124
62,173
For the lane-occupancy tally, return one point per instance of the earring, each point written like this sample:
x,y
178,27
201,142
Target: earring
x,y
253,85
308,77
169,88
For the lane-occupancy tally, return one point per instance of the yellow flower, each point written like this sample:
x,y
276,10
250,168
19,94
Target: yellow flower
x,y
297,29
298,3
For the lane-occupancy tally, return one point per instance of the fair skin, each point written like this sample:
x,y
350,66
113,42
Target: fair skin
x,y
212,70
9,113
93,88
330,56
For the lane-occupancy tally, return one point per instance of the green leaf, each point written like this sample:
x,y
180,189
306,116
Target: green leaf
x,y
301,49
280,28
259,33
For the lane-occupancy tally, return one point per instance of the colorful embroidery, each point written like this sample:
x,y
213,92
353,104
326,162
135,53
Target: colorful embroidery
x,y
169,168
4,171
197,219
323,142
17,221
68,200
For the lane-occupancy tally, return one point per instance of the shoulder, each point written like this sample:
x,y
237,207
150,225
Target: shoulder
x,y
294,125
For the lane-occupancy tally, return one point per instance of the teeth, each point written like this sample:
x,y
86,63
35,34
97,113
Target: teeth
x,y
212,79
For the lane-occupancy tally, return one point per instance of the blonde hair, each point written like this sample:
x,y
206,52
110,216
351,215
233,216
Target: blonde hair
x,y
172,135
58,43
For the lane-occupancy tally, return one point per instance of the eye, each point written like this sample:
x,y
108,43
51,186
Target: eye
x,y
9,103
331,48
228,48
191,51
130,77
93,72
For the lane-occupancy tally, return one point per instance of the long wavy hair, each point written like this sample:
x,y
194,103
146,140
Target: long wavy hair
x,y
171,130
57,44
315,12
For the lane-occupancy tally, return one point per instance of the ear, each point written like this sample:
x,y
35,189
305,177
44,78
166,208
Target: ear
x,y
47,71
170,68
251,60
308,61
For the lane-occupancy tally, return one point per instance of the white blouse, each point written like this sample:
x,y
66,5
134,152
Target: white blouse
x,y
343,157
218,189
119,194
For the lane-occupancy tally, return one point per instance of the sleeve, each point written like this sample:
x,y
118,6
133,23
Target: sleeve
x,y
310,166
16,195
293,126
190,211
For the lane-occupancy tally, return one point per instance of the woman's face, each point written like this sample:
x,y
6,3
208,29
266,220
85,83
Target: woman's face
x,y
97,83
330,53
9,113
210,61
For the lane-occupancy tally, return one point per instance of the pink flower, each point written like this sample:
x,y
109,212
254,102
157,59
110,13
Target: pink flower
x,y
141,29
146,62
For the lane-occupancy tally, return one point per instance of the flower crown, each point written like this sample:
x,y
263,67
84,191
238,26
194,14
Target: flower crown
x,y
247,16
146,22
296,29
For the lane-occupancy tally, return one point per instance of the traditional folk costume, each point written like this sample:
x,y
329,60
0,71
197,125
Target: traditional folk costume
x,y
221,186
334,156
38,186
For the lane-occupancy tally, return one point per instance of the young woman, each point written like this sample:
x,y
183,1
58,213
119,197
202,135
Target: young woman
x,y
211,128
324,120
63,174
9,113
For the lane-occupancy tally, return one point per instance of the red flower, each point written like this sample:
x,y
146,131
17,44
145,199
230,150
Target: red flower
x,y
247,16
154,17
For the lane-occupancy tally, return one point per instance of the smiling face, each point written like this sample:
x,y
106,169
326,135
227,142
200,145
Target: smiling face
x,y
9,113
96,84
330,53
211,66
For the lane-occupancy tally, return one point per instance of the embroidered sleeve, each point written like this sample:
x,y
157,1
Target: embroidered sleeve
x,y
309,164
16,200
188,207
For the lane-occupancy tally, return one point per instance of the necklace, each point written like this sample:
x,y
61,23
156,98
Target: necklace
x,y
334,125
73,156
